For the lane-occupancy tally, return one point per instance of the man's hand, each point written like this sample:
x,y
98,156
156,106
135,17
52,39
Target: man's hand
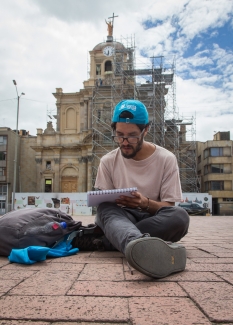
x,y
137,201
140,201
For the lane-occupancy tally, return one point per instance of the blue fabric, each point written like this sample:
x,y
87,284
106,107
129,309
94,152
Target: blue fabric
x,y
62,249
33,254
28,255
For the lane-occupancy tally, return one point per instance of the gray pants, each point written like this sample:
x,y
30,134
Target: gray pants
x,y
122,225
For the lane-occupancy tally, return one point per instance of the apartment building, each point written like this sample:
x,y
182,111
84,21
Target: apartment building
x,y
7,157
214,168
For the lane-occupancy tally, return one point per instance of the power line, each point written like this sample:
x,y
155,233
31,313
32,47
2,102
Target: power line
x,y
33,100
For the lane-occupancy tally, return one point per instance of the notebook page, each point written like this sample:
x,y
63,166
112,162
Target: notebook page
x,y
94,198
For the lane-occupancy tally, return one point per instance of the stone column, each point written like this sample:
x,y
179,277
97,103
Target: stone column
x,y
56,185
85,115
89,116
89,173
38,174
56,180
82,184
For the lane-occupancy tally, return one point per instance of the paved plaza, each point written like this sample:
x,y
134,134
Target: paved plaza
x,y
99,288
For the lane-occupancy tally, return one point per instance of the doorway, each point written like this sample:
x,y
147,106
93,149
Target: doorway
x,y
69,184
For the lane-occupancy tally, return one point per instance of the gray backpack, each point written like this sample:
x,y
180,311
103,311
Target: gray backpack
x,y
34,227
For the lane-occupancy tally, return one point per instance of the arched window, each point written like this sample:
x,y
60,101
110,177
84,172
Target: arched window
x,y
108,66
70,118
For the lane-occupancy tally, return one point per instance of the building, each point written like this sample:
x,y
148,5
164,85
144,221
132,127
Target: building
x,y
64,157
8,142
214,167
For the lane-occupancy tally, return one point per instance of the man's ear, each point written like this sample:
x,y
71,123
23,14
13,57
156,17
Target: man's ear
x,y
147,128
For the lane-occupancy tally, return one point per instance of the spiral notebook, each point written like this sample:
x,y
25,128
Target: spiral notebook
x,y
94,198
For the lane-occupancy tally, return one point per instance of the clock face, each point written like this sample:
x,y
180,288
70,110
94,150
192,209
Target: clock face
x,y
108,51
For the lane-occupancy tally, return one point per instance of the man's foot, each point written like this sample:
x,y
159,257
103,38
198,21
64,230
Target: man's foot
x,y
154,257
89,238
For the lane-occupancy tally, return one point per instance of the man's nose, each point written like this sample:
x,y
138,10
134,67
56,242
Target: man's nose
x,y
125,141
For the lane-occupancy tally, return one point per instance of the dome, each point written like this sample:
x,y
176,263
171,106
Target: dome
x,y
116,45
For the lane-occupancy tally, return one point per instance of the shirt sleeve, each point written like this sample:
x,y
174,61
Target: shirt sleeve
x,y
170,187
103,179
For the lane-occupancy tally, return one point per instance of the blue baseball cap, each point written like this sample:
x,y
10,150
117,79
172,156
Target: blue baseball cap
x,y
137,110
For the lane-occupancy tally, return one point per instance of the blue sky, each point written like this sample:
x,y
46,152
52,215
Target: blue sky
x,y
45,46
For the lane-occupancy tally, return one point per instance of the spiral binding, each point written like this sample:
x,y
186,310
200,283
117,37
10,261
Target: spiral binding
x,y
118,190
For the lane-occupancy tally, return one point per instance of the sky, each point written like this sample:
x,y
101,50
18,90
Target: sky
x,y
45,44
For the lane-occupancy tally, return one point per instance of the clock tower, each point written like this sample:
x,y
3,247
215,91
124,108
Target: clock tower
x,y
104,61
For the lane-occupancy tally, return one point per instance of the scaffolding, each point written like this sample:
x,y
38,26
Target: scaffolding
x,y
153,83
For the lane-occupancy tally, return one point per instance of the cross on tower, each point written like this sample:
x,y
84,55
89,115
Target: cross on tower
x,y
110,25
113,16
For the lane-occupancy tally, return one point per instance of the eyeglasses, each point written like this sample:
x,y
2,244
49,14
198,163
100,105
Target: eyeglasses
x,y
131,140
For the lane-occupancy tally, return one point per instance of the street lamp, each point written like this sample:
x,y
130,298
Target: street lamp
x,y
16,145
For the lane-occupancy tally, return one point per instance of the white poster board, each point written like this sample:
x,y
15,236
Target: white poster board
x,y
72,203
202,199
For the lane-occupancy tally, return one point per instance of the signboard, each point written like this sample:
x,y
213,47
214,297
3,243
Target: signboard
x,y
71,203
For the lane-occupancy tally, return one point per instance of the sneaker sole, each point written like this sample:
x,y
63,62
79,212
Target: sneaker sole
x,y
154,257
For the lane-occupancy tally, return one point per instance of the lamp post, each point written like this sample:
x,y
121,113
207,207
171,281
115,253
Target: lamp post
x,y
16,145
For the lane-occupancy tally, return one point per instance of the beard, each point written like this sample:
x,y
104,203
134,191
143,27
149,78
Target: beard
x,y
135,149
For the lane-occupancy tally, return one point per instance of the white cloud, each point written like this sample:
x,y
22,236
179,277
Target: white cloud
x,y
200,15
45,44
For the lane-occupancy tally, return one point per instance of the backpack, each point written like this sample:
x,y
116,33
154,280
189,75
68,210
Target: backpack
x,y
32,227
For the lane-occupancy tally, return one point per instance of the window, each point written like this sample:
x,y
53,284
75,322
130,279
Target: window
x,y
199,159
206,153
214,168
48,186
98,69
108,66
216,185
217,169
3,139
206,169
227,199
48,165
2,171
2,155
216,152
2,206
3,190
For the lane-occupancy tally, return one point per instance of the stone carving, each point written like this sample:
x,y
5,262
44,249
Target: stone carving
x,y
110,27
82,159
49,129
90,158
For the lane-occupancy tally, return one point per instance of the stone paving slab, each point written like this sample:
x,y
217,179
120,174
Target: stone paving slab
x,y
191,253
209,267
227,276
3,261
213,260
21,322
54,283
99,287
62,308
216,300
172,311
126,289
80,258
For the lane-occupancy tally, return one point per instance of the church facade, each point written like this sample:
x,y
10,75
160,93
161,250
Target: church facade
x,y
60,158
